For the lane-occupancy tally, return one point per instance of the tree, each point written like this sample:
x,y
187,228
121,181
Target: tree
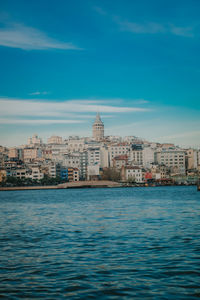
x,y
110,174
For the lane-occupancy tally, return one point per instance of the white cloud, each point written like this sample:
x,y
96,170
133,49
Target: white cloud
x,y
27,38
11,107
38,93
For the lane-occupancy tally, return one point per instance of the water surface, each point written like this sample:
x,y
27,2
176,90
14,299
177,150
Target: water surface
x,y
119,243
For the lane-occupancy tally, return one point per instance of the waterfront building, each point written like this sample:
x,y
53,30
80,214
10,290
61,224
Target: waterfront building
x,y
73,174
93,172
134,174
36,173
64,173
50,168
98,128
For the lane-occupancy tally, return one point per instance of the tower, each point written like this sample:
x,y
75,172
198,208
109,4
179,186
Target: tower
x,y
98,128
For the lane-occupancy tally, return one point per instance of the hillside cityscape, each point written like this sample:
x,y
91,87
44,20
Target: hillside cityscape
x,y
129,159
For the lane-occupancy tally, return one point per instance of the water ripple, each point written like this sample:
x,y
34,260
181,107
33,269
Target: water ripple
x,y
100,244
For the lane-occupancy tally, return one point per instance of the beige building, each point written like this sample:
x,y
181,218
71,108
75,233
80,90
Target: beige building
x,y
54,140
13,153
192,159
36,173
35,140
73,174
31,154
173,159
2,175
98,129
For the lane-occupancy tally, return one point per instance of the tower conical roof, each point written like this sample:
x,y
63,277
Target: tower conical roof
x,y
98,119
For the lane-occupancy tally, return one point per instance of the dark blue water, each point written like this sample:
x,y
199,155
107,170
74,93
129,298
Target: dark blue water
x,y
122,243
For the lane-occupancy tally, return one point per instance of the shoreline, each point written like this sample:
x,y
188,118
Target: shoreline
x,y
81,185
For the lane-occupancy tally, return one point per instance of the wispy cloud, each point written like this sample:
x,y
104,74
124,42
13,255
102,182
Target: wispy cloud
x,y
148,27
38,121
38,93
140,28
59,109
154,28
99,10
181,135
16,35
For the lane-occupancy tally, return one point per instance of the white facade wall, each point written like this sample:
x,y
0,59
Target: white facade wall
x,y
36,173
94,157
92,171
71,160
136,157
134,173
148,156
117,150
104,157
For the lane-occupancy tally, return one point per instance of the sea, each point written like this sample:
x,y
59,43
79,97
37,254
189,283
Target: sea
x,y
100,243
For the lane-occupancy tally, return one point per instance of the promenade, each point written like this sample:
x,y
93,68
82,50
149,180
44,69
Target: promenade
x,y
67,185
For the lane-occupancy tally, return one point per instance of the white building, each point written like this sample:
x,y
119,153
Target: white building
x,y
92,171
76,145
118,150
136,156
94,157
148,156
36,173
71,160
134,173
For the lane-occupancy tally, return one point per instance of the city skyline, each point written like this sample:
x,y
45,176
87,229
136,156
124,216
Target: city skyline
x,y
137,64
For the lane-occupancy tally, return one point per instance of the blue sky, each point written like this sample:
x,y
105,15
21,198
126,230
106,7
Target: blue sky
x,y
135,62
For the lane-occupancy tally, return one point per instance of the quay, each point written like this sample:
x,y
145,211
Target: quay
x,y
67,185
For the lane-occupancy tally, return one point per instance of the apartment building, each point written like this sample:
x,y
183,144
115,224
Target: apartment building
x,y
173,159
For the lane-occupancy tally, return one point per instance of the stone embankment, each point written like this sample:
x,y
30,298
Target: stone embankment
x,y
67,185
